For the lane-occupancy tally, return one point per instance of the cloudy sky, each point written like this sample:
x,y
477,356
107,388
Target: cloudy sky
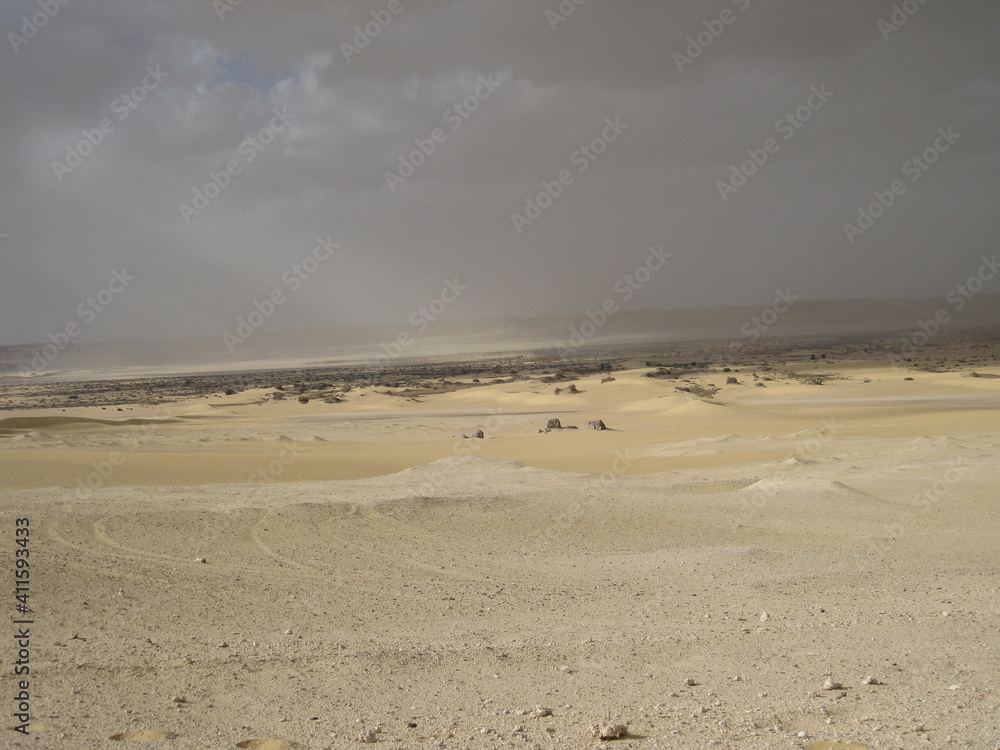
x,y
201,151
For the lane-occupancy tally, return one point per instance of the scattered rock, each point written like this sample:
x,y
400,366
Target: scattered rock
x,y
478,434
609,731
200,560
690,682
832,684
596,424
539,711
607,379
872,680
764,617
303,399
732,381
553,424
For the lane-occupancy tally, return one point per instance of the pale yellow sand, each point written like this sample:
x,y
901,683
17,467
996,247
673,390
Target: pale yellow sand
x,y
364,566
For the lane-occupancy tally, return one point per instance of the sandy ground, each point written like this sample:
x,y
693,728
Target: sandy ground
x,y
233,571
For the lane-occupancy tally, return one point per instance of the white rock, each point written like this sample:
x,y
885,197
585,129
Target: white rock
x,y
609,731
831,684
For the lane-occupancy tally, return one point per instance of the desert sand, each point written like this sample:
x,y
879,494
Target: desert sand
x,y
805,557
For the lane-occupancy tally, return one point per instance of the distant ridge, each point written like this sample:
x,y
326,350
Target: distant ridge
x,y
373,344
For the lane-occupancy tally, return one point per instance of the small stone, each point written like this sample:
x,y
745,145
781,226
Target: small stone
x,y
872,680
764,617
832,684
540,711
801,735
223,645
478,434
288,632
690,682
179,699
596,424
609,731
368,737
200,560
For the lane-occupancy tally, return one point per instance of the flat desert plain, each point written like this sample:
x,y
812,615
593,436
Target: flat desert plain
x,y
803,558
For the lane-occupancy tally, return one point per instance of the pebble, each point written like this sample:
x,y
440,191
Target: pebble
x,y
609,731
690,682
831,684
540,711
764,617
872,680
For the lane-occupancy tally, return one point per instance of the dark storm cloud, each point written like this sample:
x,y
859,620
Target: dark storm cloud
x,y
303,116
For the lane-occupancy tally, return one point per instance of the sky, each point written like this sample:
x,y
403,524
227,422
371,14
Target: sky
x,y
169,167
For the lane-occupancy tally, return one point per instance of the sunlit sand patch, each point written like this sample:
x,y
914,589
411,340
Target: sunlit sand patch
x,y
143,735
